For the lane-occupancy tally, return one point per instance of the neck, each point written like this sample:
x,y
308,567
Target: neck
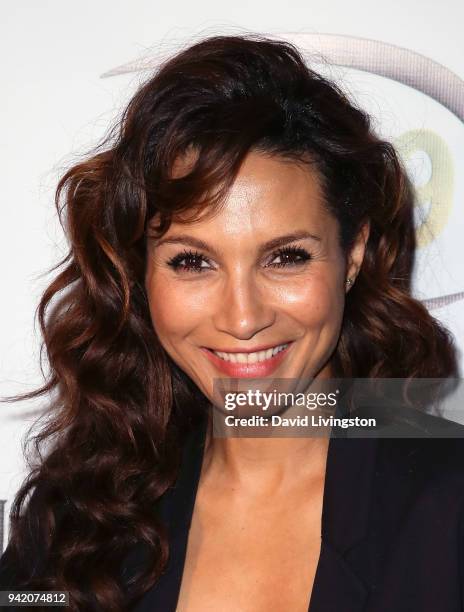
x,y
264,466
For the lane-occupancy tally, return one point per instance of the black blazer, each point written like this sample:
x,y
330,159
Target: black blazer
x,y
392,527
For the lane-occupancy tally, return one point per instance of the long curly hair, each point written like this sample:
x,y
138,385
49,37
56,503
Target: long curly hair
x,y
119,407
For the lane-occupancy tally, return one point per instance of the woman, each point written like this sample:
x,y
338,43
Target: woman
x,y
245,205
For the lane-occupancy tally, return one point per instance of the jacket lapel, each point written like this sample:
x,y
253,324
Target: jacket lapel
x,y
336,586
350,472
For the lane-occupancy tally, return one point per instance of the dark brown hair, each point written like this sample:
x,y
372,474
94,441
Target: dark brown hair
x,y
120,407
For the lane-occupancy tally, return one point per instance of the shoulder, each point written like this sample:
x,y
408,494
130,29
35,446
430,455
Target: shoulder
x,y
431,447
426,449
421,478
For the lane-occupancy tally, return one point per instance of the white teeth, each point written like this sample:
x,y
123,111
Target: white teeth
x,y
250,357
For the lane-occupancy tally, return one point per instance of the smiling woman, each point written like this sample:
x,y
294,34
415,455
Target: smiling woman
x,y
273,255
245,221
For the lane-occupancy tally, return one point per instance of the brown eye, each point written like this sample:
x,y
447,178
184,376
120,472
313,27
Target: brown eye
x,y
189,261
291,256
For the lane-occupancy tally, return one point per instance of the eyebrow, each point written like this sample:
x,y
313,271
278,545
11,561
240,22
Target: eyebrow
x,y
274,243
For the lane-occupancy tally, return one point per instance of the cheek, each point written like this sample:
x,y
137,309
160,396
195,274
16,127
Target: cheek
x,y
174,309
314,302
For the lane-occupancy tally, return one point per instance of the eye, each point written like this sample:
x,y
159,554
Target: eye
x,y
189,261
291,256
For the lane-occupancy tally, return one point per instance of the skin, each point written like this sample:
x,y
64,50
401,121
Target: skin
x,y
240,300
265,305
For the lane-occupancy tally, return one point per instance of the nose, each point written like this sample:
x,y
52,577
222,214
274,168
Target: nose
x,y
244,307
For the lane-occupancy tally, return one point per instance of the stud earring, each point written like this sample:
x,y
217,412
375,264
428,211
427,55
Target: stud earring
x,y
349,281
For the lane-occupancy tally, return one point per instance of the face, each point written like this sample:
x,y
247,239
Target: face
x,y
262,282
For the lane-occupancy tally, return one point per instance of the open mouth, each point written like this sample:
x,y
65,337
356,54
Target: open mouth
x,y
249,365
255,357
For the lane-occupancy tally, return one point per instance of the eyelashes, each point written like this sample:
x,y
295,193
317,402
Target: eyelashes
x,y
193,261
193,256
291,252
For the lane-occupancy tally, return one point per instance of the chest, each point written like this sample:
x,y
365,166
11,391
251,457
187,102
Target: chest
x,y
257,560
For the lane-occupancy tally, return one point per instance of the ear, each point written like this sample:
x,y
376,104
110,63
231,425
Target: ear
x,y
356,255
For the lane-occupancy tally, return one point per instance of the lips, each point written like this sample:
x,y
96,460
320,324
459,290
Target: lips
x,y
247,370
250,356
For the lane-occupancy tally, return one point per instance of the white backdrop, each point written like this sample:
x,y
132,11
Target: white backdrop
x,y
55,107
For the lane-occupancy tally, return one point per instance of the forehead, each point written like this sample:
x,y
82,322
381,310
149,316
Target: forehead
x,y
269,194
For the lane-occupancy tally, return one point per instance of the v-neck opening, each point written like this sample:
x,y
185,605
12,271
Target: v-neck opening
x,y
197,445
349,468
